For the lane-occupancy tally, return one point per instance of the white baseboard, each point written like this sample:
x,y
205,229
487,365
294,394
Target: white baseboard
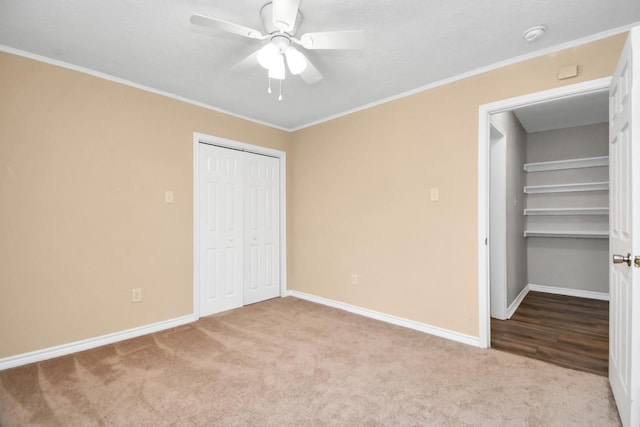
x,y
64,349
551,290
422,327
569,292
516,302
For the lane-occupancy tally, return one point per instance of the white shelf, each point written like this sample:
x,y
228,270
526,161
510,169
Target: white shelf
x,y
566,188
567,211
574,234
588,162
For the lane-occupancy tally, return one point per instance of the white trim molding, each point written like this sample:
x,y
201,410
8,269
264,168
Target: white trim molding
x,y
552,290
388,318
74,347
111,78
516,302
510,61
536,54
568,292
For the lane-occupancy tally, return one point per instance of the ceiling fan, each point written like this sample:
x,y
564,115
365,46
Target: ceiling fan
x,y
281,19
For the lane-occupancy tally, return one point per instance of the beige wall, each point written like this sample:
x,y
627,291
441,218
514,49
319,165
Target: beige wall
x,y
361,194
84,164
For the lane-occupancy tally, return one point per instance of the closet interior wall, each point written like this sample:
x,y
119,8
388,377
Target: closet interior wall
x,y
508,244
549,212
567,208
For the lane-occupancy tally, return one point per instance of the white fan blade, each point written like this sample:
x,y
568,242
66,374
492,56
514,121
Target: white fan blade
x,y
285,13
333,40
229,27
310,74
247,63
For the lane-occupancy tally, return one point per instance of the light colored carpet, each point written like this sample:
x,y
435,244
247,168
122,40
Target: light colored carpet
x,y
288,362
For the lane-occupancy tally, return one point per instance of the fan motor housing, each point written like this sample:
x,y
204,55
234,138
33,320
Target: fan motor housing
x,y
266,14
282,42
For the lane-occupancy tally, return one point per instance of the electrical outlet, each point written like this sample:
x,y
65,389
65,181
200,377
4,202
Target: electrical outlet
x,y
136,295
168,196
354,279
435,194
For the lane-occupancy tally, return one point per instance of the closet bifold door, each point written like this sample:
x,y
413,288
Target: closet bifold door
x,y
221,233
261,228
239,203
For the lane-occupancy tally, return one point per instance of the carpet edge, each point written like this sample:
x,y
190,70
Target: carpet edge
x,y
388,318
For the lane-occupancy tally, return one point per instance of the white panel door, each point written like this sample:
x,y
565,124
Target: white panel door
x,y
624,279
261,228
221,246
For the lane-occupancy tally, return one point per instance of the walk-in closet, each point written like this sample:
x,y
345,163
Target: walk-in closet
x,y
549,227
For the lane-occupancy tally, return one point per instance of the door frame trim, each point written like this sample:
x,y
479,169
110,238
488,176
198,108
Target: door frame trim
x,y
484,126
201,138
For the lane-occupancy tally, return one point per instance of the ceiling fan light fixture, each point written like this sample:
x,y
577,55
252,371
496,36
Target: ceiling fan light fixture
x,y
280,20
276,71
295,60
268,56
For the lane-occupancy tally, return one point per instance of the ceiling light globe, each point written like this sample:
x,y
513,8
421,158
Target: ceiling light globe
x,y
268,56
277,69
295,60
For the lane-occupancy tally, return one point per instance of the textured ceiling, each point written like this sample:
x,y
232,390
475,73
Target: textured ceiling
x,y
409,44
580,110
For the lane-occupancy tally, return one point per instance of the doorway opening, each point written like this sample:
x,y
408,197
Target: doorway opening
x,y
503,284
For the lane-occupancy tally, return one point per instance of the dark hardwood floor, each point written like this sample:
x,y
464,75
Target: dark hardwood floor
x,y
568,331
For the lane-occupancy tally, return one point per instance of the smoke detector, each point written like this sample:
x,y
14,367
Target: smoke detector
x,y
534,33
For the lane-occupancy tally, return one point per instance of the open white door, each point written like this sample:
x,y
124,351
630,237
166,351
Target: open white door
x,y
624,226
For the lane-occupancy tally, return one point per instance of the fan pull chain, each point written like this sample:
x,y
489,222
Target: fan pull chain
x,y
269,89
280,96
